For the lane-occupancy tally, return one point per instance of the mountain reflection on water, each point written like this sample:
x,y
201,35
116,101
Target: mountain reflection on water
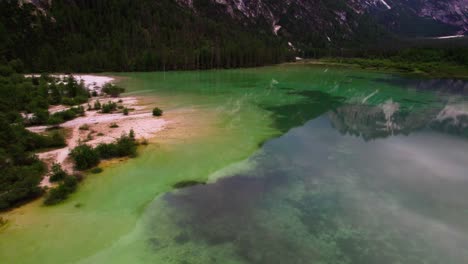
x,y
325,192
387,119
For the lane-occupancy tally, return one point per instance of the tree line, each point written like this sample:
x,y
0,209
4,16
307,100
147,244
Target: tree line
x,y
124,35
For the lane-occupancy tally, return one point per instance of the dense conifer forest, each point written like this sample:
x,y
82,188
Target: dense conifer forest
x,y
122,35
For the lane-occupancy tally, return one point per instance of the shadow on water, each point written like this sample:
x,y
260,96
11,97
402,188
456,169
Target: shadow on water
x,y
187,183
313,104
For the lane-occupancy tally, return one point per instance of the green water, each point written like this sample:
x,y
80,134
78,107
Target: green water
x,y
302,164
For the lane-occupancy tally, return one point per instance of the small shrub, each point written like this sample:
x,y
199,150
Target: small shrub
x,y
125,111
60,193
58,173
97,105
84,127
112,90
114,125
157,111
96,170
85,157
66,115
89,137
109,107
2,221
124,146
144,142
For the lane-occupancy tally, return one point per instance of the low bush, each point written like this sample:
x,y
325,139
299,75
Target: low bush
x,y
58,173
112,90
157,111
96,170
109,107
74,101
85,157
60,117
124,146
54,139
97,105
61,192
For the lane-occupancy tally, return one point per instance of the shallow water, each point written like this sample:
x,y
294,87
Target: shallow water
x,y
286,164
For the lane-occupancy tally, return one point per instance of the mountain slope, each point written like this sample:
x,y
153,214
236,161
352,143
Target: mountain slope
x,y
419,18
125,35
91,35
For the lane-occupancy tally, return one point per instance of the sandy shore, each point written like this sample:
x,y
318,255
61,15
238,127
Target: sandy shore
x,y
95,128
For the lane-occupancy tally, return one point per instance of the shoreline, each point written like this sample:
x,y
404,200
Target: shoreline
x,y
96,128
395,69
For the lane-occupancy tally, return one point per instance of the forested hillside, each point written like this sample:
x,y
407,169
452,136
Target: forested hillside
x,y
146,35
123,35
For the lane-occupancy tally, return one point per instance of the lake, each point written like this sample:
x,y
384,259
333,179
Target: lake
x,y
282,164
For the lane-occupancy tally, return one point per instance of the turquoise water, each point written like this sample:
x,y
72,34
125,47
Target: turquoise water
x,y
286,164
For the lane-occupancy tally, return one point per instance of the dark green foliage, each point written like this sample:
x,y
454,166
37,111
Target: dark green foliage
x,y
84,127
112,90
97,105
96,170
109,107
67,91
125,111
85,157
53,139
2,222
19,182
66,115
20,171
434,62
124,146
75,100
146,35
60,193
58,173
157,111
187,183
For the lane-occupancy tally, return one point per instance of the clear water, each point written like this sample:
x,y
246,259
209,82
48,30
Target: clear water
x,y
286,164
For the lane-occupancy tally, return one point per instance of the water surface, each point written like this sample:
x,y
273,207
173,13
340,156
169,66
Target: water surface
x,y
285,164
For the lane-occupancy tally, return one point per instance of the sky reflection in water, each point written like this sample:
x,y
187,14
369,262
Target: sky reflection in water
x,y
347,183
